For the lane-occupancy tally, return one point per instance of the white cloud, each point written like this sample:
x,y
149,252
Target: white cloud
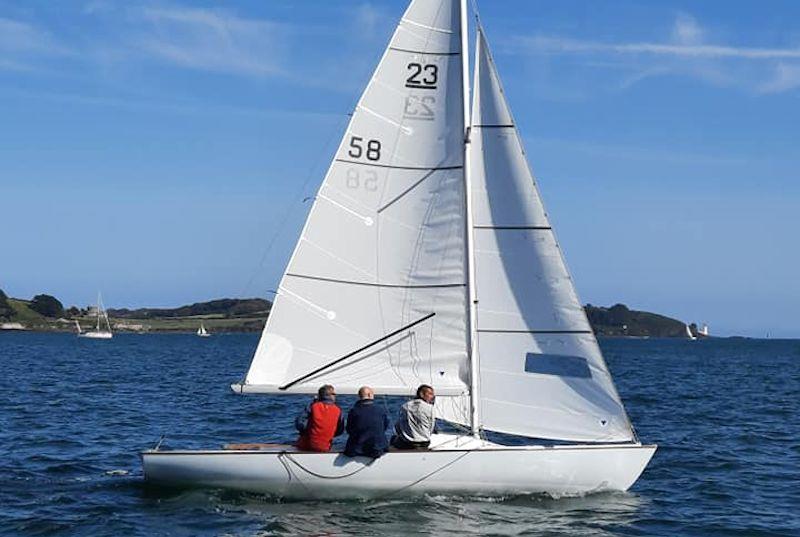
x,y
367,19
686,53
686,30
557,45
211,40
23,46
786,77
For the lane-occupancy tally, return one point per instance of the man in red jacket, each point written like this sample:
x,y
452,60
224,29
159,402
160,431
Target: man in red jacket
x,y
320,422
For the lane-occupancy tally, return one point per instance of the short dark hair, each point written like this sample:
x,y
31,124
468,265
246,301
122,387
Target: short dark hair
x,y
422,388
325,390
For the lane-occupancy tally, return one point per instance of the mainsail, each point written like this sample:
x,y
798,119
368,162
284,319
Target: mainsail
x,y
383,246
540,370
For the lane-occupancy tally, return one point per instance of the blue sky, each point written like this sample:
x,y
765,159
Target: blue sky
x,y
160,151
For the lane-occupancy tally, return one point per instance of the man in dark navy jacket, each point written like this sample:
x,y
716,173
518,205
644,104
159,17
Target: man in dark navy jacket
x,y
366,425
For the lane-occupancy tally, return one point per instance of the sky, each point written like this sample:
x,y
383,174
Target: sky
x,y
161,151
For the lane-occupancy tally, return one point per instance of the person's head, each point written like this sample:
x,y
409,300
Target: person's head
x,y
425,393
365,392
326,392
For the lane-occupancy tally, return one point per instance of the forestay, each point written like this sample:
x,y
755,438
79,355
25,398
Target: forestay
x,y
383,245
541,373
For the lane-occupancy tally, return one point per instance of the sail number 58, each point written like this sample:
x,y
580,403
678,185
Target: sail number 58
x,y
372,149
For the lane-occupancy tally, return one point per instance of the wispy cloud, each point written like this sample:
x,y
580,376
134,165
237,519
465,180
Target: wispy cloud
x,y
786,77
211,40
566,45
687,52
23,46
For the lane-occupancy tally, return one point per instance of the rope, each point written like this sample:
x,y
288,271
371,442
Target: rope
x,y
401,489
423,478
306,470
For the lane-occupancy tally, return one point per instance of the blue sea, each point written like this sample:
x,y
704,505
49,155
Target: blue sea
x,y
75,413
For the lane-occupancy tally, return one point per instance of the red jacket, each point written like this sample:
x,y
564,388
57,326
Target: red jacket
x,y
319,423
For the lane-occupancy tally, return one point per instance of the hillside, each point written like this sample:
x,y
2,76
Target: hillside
x,y
225,307
249,314
223,315
618,320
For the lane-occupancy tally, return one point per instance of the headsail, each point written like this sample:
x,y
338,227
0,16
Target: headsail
x,y
383,246
541,372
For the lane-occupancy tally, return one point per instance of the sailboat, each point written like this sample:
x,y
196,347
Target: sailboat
x,y
428,257
689,333
202,332
99,332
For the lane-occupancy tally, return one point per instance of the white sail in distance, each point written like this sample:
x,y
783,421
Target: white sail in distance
x,y
383,246
541,373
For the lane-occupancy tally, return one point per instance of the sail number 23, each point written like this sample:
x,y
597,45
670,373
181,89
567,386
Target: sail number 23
x,y
422,76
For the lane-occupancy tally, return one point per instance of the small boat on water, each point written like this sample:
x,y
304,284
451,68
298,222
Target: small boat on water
x,y
99,331
689,333
428,258
202,332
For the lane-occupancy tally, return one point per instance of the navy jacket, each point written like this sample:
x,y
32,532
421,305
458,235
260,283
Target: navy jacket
x,y
366,425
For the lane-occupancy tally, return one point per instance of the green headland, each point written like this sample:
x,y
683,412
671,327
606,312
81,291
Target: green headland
x,y
46,313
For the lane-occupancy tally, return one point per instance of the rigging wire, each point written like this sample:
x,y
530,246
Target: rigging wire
x,y
290,208
301,197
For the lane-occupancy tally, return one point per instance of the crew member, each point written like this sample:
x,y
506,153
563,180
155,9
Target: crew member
x,y
366,427
320,421
416,421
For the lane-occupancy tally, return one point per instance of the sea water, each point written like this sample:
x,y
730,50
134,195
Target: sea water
x,y
74,413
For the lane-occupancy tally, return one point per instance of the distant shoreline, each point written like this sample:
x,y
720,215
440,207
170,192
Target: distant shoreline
x,y
45,313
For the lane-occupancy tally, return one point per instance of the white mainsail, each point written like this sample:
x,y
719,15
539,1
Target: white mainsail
x,y
383,246
540,370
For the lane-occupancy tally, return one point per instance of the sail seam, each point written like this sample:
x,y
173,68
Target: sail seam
x,y
398,49
371,284
425,26
542,228
392,166
494,126
502,331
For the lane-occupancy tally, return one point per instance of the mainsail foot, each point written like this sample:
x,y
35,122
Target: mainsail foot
x,y
455,465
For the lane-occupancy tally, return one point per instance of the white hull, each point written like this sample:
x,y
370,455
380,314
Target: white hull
x,y
478,470
97,335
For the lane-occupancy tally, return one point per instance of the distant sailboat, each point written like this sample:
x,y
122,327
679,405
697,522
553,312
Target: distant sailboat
x,y
428,257
689,333
202,332
703,331
98,332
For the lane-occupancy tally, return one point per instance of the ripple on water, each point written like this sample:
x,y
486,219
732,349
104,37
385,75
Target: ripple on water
x,y
76,415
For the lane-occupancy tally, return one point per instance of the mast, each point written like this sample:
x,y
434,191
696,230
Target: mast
x,y
474,401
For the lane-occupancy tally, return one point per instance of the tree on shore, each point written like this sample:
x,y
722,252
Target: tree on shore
x,y
47,305
6,311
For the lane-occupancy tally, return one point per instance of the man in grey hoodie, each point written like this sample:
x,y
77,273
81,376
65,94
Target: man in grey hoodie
x,y
416,421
